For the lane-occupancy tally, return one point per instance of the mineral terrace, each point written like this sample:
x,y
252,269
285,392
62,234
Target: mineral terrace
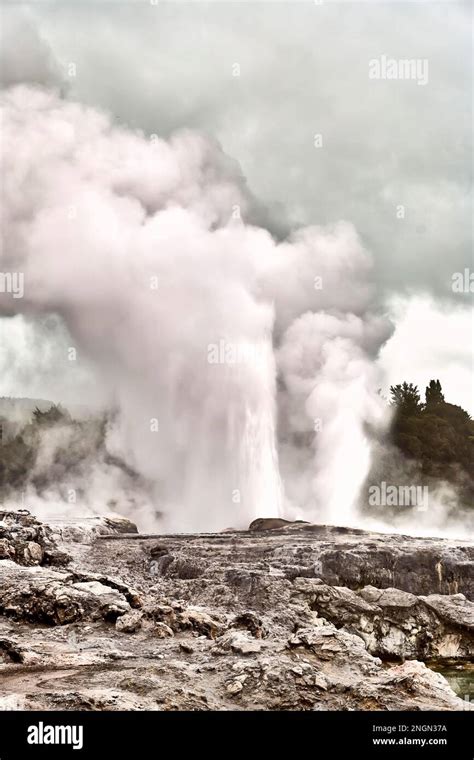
x,y
94,616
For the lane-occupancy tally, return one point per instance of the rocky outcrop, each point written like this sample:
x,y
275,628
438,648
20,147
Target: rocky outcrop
x,y
273,523
394,623
338,556
86,530
240,620
55,598
27,541
34,592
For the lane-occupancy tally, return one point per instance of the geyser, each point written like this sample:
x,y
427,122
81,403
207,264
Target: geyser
x,y
142,248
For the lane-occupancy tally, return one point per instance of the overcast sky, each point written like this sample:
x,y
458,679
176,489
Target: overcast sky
x,y
302,71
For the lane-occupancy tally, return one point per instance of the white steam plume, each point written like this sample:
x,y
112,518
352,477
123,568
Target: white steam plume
x,y
139,246
330,381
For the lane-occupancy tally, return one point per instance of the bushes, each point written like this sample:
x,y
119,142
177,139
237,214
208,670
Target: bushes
x,y
435,435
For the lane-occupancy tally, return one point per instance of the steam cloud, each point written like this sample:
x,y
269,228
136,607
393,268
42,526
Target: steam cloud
x,y
140,246
149,257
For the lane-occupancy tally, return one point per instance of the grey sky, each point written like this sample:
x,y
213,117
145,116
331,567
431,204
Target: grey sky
x,y
303,71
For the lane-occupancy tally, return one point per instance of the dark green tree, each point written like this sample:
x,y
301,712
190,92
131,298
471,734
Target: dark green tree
x,y
433,393
52,416
406,398
434,440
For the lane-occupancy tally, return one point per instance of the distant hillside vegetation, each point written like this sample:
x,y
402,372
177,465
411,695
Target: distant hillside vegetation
x,y
430,441
45,446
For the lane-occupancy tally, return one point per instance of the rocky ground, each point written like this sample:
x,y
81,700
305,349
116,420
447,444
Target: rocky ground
x,y
95,616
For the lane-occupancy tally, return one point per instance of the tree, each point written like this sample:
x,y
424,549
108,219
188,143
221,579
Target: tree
x,y
435,439
51,416
406,398
433,393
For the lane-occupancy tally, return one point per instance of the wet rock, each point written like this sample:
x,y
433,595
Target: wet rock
x,y
234,687
27,541
130,622
162,613
49,597
33,553
179,568
273,523
396,624
88,529
131,595
10,651
250,622
163,631
160,563
110,603
199,621
120,524
238,642
6,549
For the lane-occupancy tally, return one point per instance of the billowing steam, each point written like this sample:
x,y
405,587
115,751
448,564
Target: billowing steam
x,y
187,311
326,364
